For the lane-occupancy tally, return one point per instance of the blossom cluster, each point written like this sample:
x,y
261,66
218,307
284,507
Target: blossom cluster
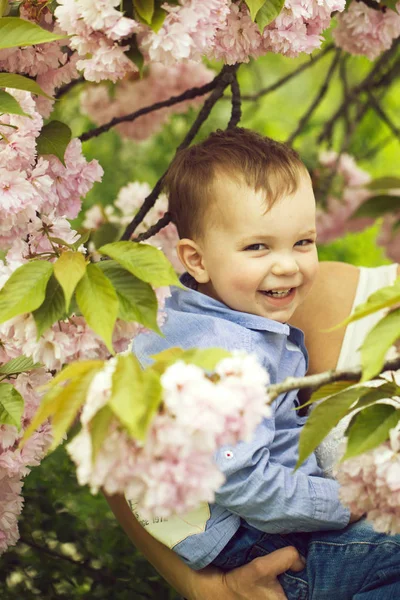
x,y
174,469
366,31
219,29
16,463
52,64
36,195
224,30
96,28
370,484
130,198
348,192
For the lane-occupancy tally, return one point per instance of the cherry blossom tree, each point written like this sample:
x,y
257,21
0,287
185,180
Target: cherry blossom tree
x,y
69,309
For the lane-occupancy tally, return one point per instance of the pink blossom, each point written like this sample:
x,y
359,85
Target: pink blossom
x,y
239,38
72,181
298,28
371,484
174,470
364,31
188,31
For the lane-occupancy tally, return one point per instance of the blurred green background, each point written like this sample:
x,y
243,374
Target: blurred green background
x,y
71,546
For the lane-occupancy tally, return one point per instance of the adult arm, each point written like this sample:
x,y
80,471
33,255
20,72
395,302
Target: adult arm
x,y
255,581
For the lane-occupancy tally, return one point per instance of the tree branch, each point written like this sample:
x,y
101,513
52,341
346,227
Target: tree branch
x,y
316,381
381,113
222,81
236,103
187,95
286,78
317,100
369,82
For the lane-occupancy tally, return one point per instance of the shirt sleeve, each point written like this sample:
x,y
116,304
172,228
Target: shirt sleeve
x,y
272,497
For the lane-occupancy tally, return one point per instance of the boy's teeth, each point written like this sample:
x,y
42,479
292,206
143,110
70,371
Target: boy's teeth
x,y
278,294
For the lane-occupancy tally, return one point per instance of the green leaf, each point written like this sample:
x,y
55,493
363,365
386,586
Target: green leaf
x,y
136,56
69,269
254,6
377,343
9,105
392,4
268,13
383,298
384,183
99,427
377,206
387,390
25,290
144,261
327,390
19,32
145,9
4,6
52,309
20,82
137,300
11,405
370,428
21,364
54,139
76,369
68,404
206,358
135,396
325,417
62,403
158,17
98,303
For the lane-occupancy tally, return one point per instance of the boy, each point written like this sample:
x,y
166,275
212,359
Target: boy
x,y
245,213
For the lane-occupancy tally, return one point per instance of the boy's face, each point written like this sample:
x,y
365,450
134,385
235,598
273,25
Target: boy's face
x,y
257,261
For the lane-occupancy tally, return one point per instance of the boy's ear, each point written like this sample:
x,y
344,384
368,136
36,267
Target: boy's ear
x,y
191,257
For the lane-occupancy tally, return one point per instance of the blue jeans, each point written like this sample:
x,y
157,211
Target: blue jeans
x,y
355,563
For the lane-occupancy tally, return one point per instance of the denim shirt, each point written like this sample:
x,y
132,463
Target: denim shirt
x,y
261,486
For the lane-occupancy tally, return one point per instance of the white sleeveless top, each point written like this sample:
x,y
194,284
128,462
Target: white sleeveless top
x,y
369,282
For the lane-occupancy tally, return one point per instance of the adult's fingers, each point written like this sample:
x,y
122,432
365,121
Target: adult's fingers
x,y
278,562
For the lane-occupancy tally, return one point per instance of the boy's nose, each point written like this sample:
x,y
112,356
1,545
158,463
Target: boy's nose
x,y
285,265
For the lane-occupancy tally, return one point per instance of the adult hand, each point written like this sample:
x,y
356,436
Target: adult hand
x,y
256,580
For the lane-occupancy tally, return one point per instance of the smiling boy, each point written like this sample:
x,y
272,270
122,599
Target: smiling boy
x,y
245,212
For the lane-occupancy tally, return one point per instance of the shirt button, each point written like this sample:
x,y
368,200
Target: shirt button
x,y
228,454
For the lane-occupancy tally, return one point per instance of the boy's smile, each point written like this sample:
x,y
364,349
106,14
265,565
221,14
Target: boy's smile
x,y
254,259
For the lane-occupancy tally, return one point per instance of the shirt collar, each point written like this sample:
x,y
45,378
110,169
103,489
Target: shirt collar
x,y
190,300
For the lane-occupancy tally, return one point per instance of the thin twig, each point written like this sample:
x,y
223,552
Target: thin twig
x,y
385,118
154,229
224,79
187,95
316,381
317,100
67,87
369,82
268,90
32,544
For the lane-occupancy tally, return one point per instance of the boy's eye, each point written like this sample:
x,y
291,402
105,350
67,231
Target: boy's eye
x,y
256,247
304,242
